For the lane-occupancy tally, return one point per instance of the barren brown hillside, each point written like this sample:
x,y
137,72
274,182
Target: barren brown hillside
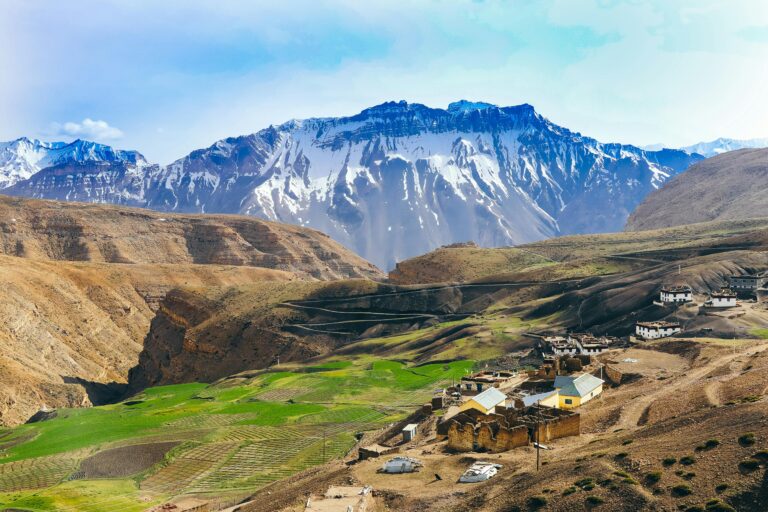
x,y
68,324
100,233
725,187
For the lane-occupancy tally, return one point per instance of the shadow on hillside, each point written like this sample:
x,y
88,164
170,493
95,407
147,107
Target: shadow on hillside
x,y
99,393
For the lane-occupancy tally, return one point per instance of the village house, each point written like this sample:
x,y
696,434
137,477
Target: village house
x,y
560,346
591,345
579,343
485,402
576,391
724,298
546,399
656,330
747,282
481,381
676,294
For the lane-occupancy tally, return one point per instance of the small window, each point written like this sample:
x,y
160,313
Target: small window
x,y
568,401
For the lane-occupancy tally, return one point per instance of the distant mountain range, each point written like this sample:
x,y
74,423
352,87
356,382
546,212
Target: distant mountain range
x,y
716,147
393,181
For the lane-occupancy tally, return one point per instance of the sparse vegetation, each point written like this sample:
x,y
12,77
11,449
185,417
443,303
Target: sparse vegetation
x,y
681,490
537,502
747,439
718,506
669,461
749,465
626,442
594,501
708,445
570,490
622,455
653,477
721,488
687,460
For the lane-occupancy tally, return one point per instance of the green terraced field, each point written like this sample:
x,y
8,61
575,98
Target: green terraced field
x,y
236,436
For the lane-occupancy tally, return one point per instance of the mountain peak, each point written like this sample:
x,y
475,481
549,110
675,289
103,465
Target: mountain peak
x,y
466,106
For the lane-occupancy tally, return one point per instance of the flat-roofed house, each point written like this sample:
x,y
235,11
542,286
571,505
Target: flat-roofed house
x,y
575,391
656,330
485,402
747,282
722,299
676,294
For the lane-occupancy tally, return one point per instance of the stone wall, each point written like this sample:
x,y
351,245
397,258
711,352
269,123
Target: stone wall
x,y
613,375
563,426
461,437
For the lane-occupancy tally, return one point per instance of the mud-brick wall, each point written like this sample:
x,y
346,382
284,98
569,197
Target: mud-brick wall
x,y
614,375
563,426
461,437
502,440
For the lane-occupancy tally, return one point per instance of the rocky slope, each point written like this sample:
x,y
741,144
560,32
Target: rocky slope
x,y
100,233
395,180
726,187
69,329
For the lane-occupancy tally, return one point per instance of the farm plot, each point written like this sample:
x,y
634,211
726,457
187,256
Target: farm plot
x,y
281,394
124,461
207,421
258,433
187,467
35,473
256,464
344,415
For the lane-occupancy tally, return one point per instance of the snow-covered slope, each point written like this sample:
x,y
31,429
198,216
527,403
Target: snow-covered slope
x,y
723,145
22,158
396,180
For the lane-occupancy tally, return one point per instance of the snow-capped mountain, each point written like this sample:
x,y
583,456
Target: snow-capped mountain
x,y
396,180
20,159
723,145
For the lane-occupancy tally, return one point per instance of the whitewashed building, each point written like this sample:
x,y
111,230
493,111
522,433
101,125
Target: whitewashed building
x,y
676,294
722,299
656,330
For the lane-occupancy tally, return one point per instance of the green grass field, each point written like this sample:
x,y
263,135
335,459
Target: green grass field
x,y
234,436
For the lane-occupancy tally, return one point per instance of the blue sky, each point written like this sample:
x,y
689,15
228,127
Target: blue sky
x,y
167,77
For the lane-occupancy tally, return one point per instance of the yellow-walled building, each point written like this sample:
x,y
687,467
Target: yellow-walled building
x,y
576,391
485,402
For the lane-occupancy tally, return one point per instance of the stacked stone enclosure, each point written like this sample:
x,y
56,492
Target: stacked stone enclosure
x,y
506,429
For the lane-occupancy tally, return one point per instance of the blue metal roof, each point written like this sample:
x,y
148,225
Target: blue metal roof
x,y
577,386
532,399
490,398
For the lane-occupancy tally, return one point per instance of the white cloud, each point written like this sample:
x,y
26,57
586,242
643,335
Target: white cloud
x,y
87,129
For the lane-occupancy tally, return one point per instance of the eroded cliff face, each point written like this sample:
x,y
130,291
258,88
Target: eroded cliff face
x,y
68,330
205,334
100,233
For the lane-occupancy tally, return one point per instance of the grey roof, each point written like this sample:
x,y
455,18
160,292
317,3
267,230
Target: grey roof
x,y
532,399
577,386
490,398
